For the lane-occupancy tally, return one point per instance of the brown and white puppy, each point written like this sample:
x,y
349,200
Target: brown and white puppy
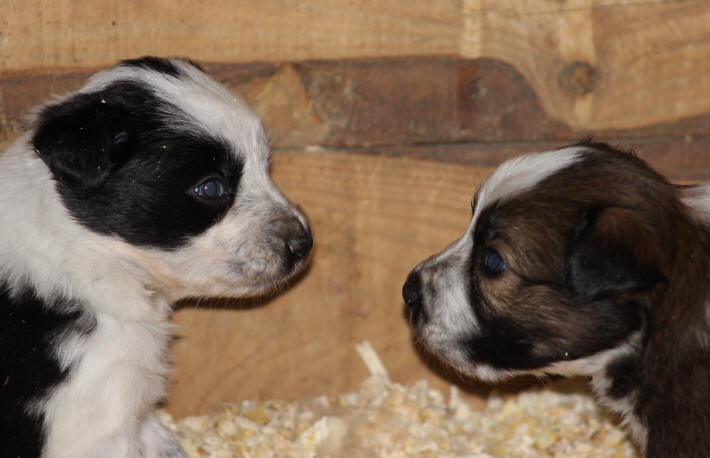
x,y
582,261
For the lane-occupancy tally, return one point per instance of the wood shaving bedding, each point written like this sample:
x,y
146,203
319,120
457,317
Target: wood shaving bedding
x,y
386,419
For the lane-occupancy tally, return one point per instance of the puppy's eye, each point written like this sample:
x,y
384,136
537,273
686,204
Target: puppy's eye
x,y
493,263
210,189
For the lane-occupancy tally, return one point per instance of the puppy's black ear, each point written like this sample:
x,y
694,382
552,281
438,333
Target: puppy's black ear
x,y
611,251
78,138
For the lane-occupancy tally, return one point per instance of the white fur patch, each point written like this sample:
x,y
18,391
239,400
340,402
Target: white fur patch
x,y
522,173
698,199
120,374
591,365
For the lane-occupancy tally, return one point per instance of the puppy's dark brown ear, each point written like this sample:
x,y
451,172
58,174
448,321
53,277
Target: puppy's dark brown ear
x,y
77,139
613,250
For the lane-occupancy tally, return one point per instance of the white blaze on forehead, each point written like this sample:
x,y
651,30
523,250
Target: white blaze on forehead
x,y
522,173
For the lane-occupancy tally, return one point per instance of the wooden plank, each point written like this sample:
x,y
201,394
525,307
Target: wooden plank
x,y
680,158
374,219
86,33
382,103
592,64
605,65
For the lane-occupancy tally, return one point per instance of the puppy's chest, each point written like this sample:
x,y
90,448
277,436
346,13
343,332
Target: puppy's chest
x,y
128,354
125,358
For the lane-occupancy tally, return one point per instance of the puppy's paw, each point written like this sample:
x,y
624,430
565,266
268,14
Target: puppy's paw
x,y
158,442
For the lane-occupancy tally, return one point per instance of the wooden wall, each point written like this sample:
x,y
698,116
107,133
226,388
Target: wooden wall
x,y
384,117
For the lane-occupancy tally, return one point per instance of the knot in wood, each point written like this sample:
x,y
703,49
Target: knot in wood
x,y
578,78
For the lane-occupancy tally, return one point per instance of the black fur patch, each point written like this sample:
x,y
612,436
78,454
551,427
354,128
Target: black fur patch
x,y
600,266
155,64
126,167
624,374
535,339
28,367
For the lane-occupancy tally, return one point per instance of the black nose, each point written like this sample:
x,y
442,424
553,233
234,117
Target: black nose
x,y
300,245
412,290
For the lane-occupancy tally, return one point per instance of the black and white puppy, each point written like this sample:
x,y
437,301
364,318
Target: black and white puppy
x,y
582,261
148,185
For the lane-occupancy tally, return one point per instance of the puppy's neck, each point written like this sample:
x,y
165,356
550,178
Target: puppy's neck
x,y
664,385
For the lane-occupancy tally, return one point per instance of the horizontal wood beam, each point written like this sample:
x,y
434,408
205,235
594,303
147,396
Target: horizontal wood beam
x,y
591,65
382,104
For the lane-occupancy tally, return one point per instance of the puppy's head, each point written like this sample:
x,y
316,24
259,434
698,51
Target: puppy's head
x,y
566,253
172,168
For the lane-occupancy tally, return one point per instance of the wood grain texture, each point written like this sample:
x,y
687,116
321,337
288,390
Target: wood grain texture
x,y
382,103
605,64
680,158
374,219
89,34
592,64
